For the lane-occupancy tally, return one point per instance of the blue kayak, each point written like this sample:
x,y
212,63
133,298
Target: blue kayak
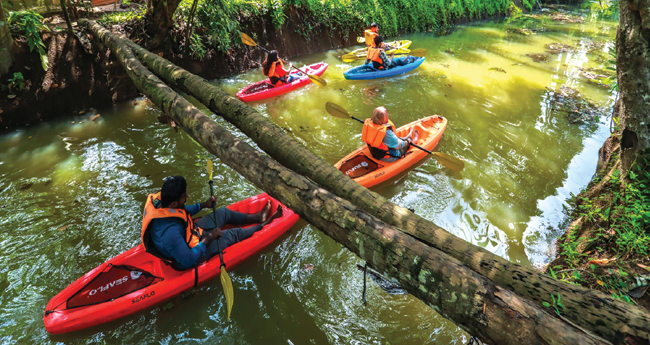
x,y
368,72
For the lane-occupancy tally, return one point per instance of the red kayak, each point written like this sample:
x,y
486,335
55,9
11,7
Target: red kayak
x,y
136,280
264,89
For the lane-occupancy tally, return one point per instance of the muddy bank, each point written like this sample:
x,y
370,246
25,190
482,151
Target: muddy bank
x,y
74,81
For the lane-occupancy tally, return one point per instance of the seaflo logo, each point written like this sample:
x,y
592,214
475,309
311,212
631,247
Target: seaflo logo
x,y
358,166
109,285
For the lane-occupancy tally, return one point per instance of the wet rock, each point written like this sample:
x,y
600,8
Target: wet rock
x,y
26,186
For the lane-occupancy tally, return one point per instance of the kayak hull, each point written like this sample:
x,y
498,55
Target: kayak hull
x,y
359,164
60,319
361,53
264,89
366,72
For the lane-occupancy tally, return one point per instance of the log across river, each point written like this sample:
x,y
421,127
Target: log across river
x,y
77,190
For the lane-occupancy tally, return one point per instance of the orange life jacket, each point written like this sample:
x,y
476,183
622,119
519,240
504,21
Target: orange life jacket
x,y
373,55
373,135
277,72
192,232
370,37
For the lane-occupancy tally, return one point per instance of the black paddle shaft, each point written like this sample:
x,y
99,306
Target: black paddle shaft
x,y
214,216
414,145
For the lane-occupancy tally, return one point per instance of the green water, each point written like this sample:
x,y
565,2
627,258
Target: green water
x,y
72,194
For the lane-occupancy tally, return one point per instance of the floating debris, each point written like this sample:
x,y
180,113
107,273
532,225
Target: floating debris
x,y
520,31
577,108
557,48
538,57
591,46
308,267
498,69
449,51
26,186
63,227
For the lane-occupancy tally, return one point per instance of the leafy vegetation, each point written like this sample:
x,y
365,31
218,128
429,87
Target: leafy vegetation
x,y
114,18
218,21
620,235
16,82
29,24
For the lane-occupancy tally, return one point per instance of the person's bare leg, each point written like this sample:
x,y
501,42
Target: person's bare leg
x,y
261,216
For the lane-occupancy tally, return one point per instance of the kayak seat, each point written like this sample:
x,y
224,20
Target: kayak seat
x,y
358,166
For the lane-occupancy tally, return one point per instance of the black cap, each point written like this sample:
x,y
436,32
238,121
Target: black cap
x,y
373,25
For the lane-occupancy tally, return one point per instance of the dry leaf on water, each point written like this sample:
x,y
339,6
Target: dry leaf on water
x,y
63,227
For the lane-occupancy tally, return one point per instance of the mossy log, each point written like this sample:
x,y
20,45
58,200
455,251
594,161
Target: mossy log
x,y
607,317
492,313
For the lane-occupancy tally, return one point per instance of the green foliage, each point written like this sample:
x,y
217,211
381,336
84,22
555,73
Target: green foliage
x,y
114,18
29,24
16,82
528,4
215,24
197,47
557,302
218,21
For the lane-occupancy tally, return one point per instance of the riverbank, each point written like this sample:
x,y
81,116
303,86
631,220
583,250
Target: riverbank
x,y
606,244
79,79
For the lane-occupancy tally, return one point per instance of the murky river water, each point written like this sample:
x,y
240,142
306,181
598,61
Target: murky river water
x,y
72,193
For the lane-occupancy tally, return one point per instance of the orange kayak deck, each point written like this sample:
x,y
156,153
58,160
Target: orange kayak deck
x,y
367,171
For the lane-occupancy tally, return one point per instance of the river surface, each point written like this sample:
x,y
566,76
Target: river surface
x,y
72,191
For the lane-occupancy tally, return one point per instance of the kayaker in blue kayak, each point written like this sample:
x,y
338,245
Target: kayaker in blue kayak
x,y
169,232
379,133
273,68
380,60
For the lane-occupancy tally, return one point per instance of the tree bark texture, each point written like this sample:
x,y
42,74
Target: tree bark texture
x,y
607,317
6,44
633,72
494,314
158,20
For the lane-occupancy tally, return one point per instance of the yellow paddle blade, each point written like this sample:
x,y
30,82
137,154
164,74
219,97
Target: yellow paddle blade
x,y
317,80
361,39
349,58
448,161
227,289
247,40
420,52
337,110
210,168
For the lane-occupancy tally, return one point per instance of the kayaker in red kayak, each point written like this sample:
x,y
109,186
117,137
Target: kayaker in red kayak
x,y
169,232
379,133
370,35
379,58
273,68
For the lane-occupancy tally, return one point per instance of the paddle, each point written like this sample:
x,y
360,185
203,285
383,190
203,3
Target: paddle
x,y
420,52
314,78
225,278
446,160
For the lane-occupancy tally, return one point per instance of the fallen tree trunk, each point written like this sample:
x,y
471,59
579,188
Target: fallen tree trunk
x,y
494,314
607,317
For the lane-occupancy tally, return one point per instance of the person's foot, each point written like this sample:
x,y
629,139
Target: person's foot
x,y
264,213
415,136
277,214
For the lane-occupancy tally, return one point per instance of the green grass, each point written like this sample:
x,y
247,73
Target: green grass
x,y
115,18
